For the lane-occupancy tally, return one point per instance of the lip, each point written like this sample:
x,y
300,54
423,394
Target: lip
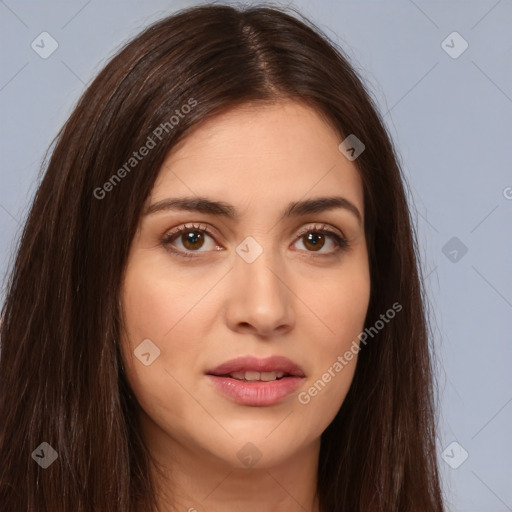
x,y
256,393
254,364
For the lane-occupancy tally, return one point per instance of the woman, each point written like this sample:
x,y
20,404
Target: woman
x,y
216,301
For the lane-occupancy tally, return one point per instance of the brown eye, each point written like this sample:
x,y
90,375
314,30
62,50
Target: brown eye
x,y
192,240
314,241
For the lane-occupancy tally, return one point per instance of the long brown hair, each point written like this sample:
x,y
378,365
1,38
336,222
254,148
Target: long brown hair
x,y
61,373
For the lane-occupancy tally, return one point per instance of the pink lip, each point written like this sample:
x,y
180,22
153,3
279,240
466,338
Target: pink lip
x,y
253,364
257,393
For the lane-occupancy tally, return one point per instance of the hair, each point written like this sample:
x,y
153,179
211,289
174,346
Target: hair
x,y
61,372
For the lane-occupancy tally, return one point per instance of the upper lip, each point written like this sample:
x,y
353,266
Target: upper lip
x,y
254,364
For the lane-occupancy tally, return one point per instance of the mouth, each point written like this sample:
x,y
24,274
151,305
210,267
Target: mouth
x,y
253,376
257,382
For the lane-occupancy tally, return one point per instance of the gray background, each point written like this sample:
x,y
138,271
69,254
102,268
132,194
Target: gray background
x,y
451,119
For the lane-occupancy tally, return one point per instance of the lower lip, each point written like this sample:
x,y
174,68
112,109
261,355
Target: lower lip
x,y
256,393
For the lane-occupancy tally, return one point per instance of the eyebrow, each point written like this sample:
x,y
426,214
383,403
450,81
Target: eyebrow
x,y
294,209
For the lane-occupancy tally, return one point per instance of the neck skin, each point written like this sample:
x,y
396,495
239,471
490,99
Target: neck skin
x,y
195,481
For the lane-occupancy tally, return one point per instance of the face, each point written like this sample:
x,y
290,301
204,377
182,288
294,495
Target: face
x,y
238,309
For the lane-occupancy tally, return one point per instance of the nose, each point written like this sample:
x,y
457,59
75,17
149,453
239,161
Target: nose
x,y
259,299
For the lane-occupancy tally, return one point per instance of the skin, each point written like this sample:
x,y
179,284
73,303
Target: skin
x,y
305,304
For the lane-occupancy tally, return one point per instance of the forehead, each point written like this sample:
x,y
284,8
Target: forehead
x,y
267,153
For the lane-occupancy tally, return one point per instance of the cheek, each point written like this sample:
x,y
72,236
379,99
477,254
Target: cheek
x,y
166,308
341,304
158,302
333,362
149,303
155,309
345,306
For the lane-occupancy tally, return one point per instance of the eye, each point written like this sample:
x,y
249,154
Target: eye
x,y
191,238
314,239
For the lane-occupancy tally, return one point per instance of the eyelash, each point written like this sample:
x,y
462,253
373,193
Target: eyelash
x,y
341,242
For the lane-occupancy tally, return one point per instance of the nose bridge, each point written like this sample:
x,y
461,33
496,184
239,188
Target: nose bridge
x,y
259,296
256,268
